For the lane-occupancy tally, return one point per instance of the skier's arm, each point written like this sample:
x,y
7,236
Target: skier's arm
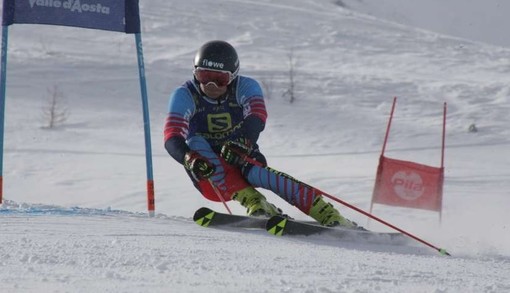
x,y
253,126
254,108
177,148
180,109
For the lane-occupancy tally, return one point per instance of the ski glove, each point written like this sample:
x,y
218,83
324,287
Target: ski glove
x,y
199,166
234,152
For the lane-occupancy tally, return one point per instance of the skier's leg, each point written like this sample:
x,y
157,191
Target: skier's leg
x,y
304,197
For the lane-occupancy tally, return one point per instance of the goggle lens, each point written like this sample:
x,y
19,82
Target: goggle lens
x,y
220,78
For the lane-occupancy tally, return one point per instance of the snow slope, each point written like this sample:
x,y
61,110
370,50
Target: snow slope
x,y
74,216
479,20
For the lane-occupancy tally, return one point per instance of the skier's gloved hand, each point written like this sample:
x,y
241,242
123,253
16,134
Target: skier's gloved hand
x,y
234,152
199,166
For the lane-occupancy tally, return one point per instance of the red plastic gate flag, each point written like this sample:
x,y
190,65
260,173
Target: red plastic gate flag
x,y
408,184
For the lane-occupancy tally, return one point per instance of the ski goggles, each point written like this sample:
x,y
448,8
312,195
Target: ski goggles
x,y
219,77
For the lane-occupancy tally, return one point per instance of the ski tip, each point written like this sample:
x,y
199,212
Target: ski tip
x,y
201,212
203,216
443,251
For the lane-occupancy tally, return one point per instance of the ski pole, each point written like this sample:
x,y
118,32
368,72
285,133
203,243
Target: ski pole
x,y
220,196
440,250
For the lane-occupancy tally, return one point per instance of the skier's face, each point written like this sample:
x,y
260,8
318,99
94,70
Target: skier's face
x,y
212,90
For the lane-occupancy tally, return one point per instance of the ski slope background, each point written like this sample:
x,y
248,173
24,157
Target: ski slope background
x,y
476,20
74,212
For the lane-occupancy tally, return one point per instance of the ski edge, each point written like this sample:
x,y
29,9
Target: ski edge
x,y
281,226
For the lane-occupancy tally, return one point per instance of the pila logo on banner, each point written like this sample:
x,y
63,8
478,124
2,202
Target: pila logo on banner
x,y
407,185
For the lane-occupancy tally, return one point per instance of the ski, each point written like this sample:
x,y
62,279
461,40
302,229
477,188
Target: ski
x,y
207,217
281,226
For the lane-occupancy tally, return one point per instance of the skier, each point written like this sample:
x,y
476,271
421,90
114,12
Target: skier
x,y
214,120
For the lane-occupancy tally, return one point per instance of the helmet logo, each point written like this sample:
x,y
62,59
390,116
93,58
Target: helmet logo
x,y
212,64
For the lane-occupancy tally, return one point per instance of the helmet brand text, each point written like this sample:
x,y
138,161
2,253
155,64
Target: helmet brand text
x,y
212,64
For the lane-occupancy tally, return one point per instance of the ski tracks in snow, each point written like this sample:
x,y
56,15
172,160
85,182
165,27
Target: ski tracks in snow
x,y
95,250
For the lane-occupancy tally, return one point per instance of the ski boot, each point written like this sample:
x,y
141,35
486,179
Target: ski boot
x,y
255,203
324,213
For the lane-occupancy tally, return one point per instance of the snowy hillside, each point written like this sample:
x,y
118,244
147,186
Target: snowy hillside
x,y
74,216
478,20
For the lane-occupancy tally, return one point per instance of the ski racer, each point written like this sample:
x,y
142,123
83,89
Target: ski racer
x,y
214,121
